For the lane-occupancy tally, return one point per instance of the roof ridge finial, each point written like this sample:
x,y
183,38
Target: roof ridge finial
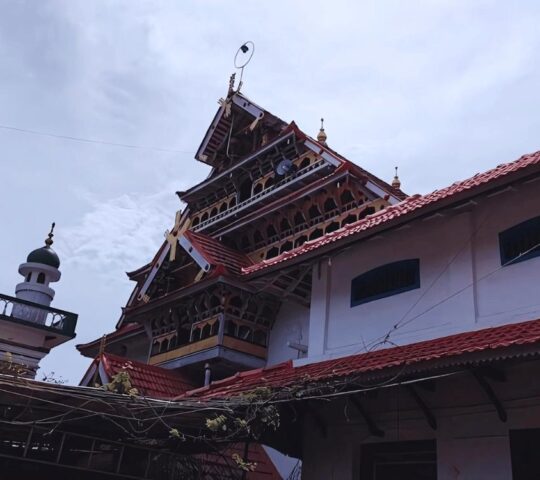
x,y
396,182
321,136
49,239
231,84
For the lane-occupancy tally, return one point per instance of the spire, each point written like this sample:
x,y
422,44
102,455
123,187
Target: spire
x,y
321,136
231,85
396,182
49,239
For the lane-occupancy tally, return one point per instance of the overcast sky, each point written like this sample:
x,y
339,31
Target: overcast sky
x,y
443,89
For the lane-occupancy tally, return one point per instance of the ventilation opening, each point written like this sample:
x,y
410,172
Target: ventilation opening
x,y
244,192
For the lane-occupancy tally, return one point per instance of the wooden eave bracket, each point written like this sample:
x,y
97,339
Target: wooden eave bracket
x,y
317,418
428,414
480,377
372,427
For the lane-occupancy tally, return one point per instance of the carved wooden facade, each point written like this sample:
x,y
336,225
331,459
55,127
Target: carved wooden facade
x,y
272,189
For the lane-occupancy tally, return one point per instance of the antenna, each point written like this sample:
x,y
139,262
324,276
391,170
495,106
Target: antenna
x,y
243,56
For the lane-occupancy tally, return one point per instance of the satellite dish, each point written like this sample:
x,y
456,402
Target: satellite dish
x,y
285,167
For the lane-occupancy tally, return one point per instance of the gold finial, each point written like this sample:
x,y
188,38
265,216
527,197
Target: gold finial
x,y
396,183
321,136
49,239
231,84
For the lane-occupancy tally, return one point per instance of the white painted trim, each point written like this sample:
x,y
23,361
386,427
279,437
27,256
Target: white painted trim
x,y
376,189
331,159
209,133
194,253
248,106
313,147
153,272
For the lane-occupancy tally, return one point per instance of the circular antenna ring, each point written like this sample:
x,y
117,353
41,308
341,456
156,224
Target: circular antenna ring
x,y
244,54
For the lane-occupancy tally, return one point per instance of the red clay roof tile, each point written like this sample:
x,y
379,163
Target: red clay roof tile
x,y
407,206
217,254
285,374
155,382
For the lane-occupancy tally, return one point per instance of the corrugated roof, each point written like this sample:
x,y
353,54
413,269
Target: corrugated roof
x,y
450,348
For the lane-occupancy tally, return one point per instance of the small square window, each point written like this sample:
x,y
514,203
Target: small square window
x,y
520,242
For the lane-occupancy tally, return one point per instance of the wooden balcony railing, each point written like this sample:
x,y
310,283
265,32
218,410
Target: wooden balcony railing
x,y
216,331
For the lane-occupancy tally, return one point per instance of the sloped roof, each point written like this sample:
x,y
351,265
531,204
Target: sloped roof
x,y
220,463
217,254
411,204
160,383
124,331
449,349
150,381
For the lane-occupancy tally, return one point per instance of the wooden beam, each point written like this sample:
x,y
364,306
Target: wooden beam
x,y
372,427
501,412
427,385
493,373
319,422
430,418
297,282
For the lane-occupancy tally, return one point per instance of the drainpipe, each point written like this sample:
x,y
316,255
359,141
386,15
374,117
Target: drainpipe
x,y
207,374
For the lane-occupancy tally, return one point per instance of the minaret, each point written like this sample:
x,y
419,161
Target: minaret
x,y
40,269
29,327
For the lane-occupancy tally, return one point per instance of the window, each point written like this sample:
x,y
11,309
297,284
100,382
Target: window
x,y
413,460
521,242
41,278
524,454
381,282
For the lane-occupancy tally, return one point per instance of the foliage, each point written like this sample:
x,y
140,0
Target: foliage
x,y
217,423
175,433
246,466
259,393
121,383
9,367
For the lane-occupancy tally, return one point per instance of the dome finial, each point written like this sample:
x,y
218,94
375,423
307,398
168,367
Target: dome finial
x,y
396,182
49,239
321,136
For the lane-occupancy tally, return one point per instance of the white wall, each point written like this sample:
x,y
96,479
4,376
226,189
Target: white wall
x,y
472,443
457,251
292,324
513,293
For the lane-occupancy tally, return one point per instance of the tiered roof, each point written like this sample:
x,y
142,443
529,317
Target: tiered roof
x,y
220,258
410,208
406,210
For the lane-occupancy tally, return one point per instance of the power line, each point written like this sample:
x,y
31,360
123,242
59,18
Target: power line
x,y
90,140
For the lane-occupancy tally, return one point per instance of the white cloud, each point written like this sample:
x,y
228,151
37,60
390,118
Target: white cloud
x,y
118,234
441,88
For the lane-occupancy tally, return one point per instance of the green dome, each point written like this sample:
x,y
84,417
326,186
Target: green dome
x,y
45,256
